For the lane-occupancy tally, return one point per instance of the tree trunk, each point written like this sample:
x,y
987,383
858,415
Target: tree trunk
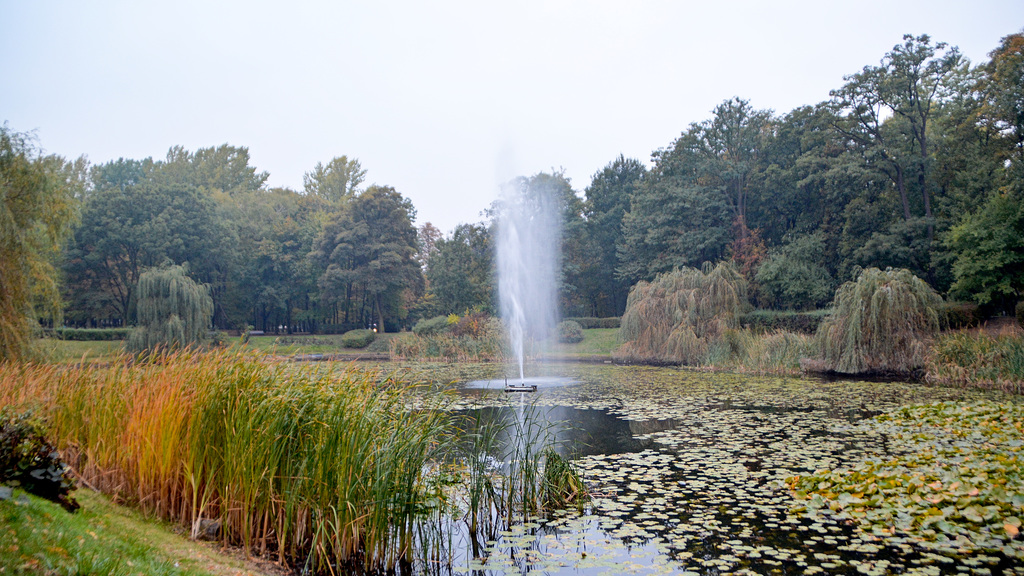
x,y
380,316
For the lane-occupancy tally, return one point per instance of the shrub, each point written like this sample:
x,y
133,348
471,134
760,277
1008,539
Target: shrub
x,y
474,325
880,324
570,332
959,315
774,320
28,461
357,338
675,318
447,346
1020,313
428,326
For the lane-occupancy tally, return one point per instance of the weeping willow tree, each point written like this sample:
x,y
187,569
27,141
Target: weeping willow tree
x,y
678,316
881,323
37,211
173,310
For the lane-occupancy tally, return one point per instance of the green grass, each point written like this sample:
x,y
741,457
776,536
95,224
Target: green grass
x,y
64,351
39,537
596,341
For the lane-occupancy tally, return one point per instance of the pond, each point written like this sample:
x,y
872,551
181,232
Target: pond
x,y
688,474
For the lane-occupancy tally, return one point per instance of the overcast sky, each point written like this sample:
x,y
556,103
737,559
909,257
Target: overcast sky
x,y
442,100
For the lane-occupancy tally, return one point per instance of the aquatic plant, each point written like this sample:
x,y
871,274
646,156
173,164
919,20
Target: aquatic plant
x,y
881,323
309,465
675,318
953,476
978,359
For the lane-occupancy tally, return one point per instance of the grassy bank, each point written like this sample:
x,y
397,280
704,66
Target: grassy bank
x,y
310,466
102,539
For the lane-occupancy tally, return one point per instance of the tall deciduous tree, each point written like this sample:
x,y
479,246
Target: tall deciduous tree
x,y
460,273
607,201
371,246
145,216
336,182
37,210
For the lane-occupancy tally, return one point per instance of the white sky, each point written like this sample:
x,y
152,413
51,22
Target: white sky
x,y
442,100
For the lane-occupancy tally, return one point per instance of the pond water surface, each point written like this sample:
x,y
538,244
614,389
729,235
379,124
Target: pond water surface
x,y
687,474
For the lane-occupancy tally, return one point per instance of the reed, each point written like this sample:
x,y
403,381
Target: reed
x,y
971,358
447,347
311,465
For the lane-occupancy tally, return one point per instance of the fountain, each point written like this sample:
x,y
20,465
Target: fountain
x,y
528,242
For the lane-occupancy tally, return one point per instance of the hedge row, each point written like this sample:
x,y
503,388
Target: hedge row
x,y
774,320
587,323
91,334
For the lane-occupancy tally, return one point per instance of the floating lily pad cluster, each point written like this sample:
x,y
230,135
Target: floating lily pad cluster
x,y
952,480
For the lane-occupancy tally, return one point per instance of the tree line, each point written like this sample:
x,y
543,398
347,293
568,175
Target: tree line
x,y
916,162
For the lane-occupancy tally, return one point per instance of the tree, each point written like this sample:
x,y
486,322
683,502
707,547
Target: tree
x,y
336,182
671,224
371,247
794,276
37,210
695,201
607,201
143,216
888,110
989,248
427,237
460,274
174,311
727,151
880,324
1003,96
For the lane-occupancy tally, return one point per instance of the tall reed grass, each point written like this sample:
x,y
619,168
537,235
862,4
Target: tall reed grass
x,y
315,467
971,358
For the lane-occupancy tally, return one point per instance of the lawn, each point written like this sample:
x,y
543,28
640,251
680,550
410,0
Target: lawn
x,y
596,342
102,538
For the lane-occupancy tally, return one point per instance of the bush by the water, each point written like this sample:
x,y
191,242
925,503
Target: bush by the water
x,y
30,462
357,338
570,332
429,326
773,320
474,337
881,323
676,318
959,315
